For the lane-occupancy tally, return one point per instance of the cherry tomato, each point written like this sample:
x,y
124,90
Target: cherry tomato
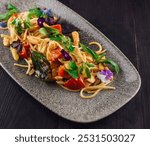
x,y
58,27
75,84
15,15
63,73
55,54
27,47
23,53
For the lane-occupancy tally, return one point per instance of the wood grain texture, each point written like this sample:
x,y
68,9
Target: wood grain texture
x,y
126,23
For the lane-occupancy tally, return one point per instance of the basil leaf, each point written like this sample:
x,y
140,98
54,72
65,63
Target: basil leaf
x,y
84,70
27,24
41,65
57,39
11,10
43,31
68,45
64,41
91,52
112,63
87,71
89,64
72,65
73,73
18,26
81,69
51,32
73,69
34,12
100,56
11,7
60,39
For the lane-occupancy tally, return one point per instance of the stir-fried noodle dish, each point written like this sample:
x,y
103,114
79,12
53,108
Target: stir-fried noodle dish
x,y
36,36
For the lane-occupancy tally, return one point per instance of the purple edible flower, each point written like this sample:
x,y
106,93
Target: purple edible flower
x,y
40,21
66,55
17,45
50,20
107,73
3,24
48,12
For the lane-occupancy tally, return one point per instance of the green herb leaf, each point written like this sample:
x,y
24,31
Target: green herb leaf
x,y
34,12
72,65
100,56
73,73
84,70
41,65
112,63
91,52
81,69
73,69
64,41
57,39
69,45
51,32
11,7
27,24
18,26
11,10
43,31
87,71
89,64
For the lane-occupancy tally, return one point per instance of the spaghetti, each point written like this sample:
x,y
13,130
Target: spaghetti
x,y
36,36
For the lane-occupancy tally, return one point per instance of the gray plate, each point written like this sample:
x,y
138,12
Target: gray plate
x,y
67,104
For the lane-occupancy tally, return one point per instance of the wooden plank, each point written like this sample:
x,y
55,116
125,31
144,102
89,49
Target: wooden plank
x,y
19,110
141,11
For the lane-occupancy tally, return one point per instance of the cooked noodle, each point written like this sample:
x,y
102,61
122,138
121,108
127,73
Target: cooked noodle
x,y
51,48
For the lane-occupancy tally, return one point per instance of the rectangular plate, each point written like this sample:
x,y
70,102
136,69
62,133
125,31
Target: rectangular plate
x,y
68,104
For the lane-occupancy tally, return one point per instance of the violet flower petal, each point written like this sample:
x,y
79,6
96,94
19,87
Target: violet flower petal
x,y
103,72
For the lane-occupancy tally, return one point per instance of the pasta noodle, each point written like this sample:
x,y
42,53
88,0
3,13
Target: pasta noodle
x,y
38,39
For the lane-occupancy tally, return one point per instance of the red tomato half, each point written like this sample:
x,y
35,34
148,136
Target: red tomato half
x,y
23,53
63,73
27,47
55,54
58,27
75,84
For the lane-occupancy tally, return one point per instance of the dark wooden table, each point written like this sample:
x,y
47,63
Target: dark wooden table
x,y
127,24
